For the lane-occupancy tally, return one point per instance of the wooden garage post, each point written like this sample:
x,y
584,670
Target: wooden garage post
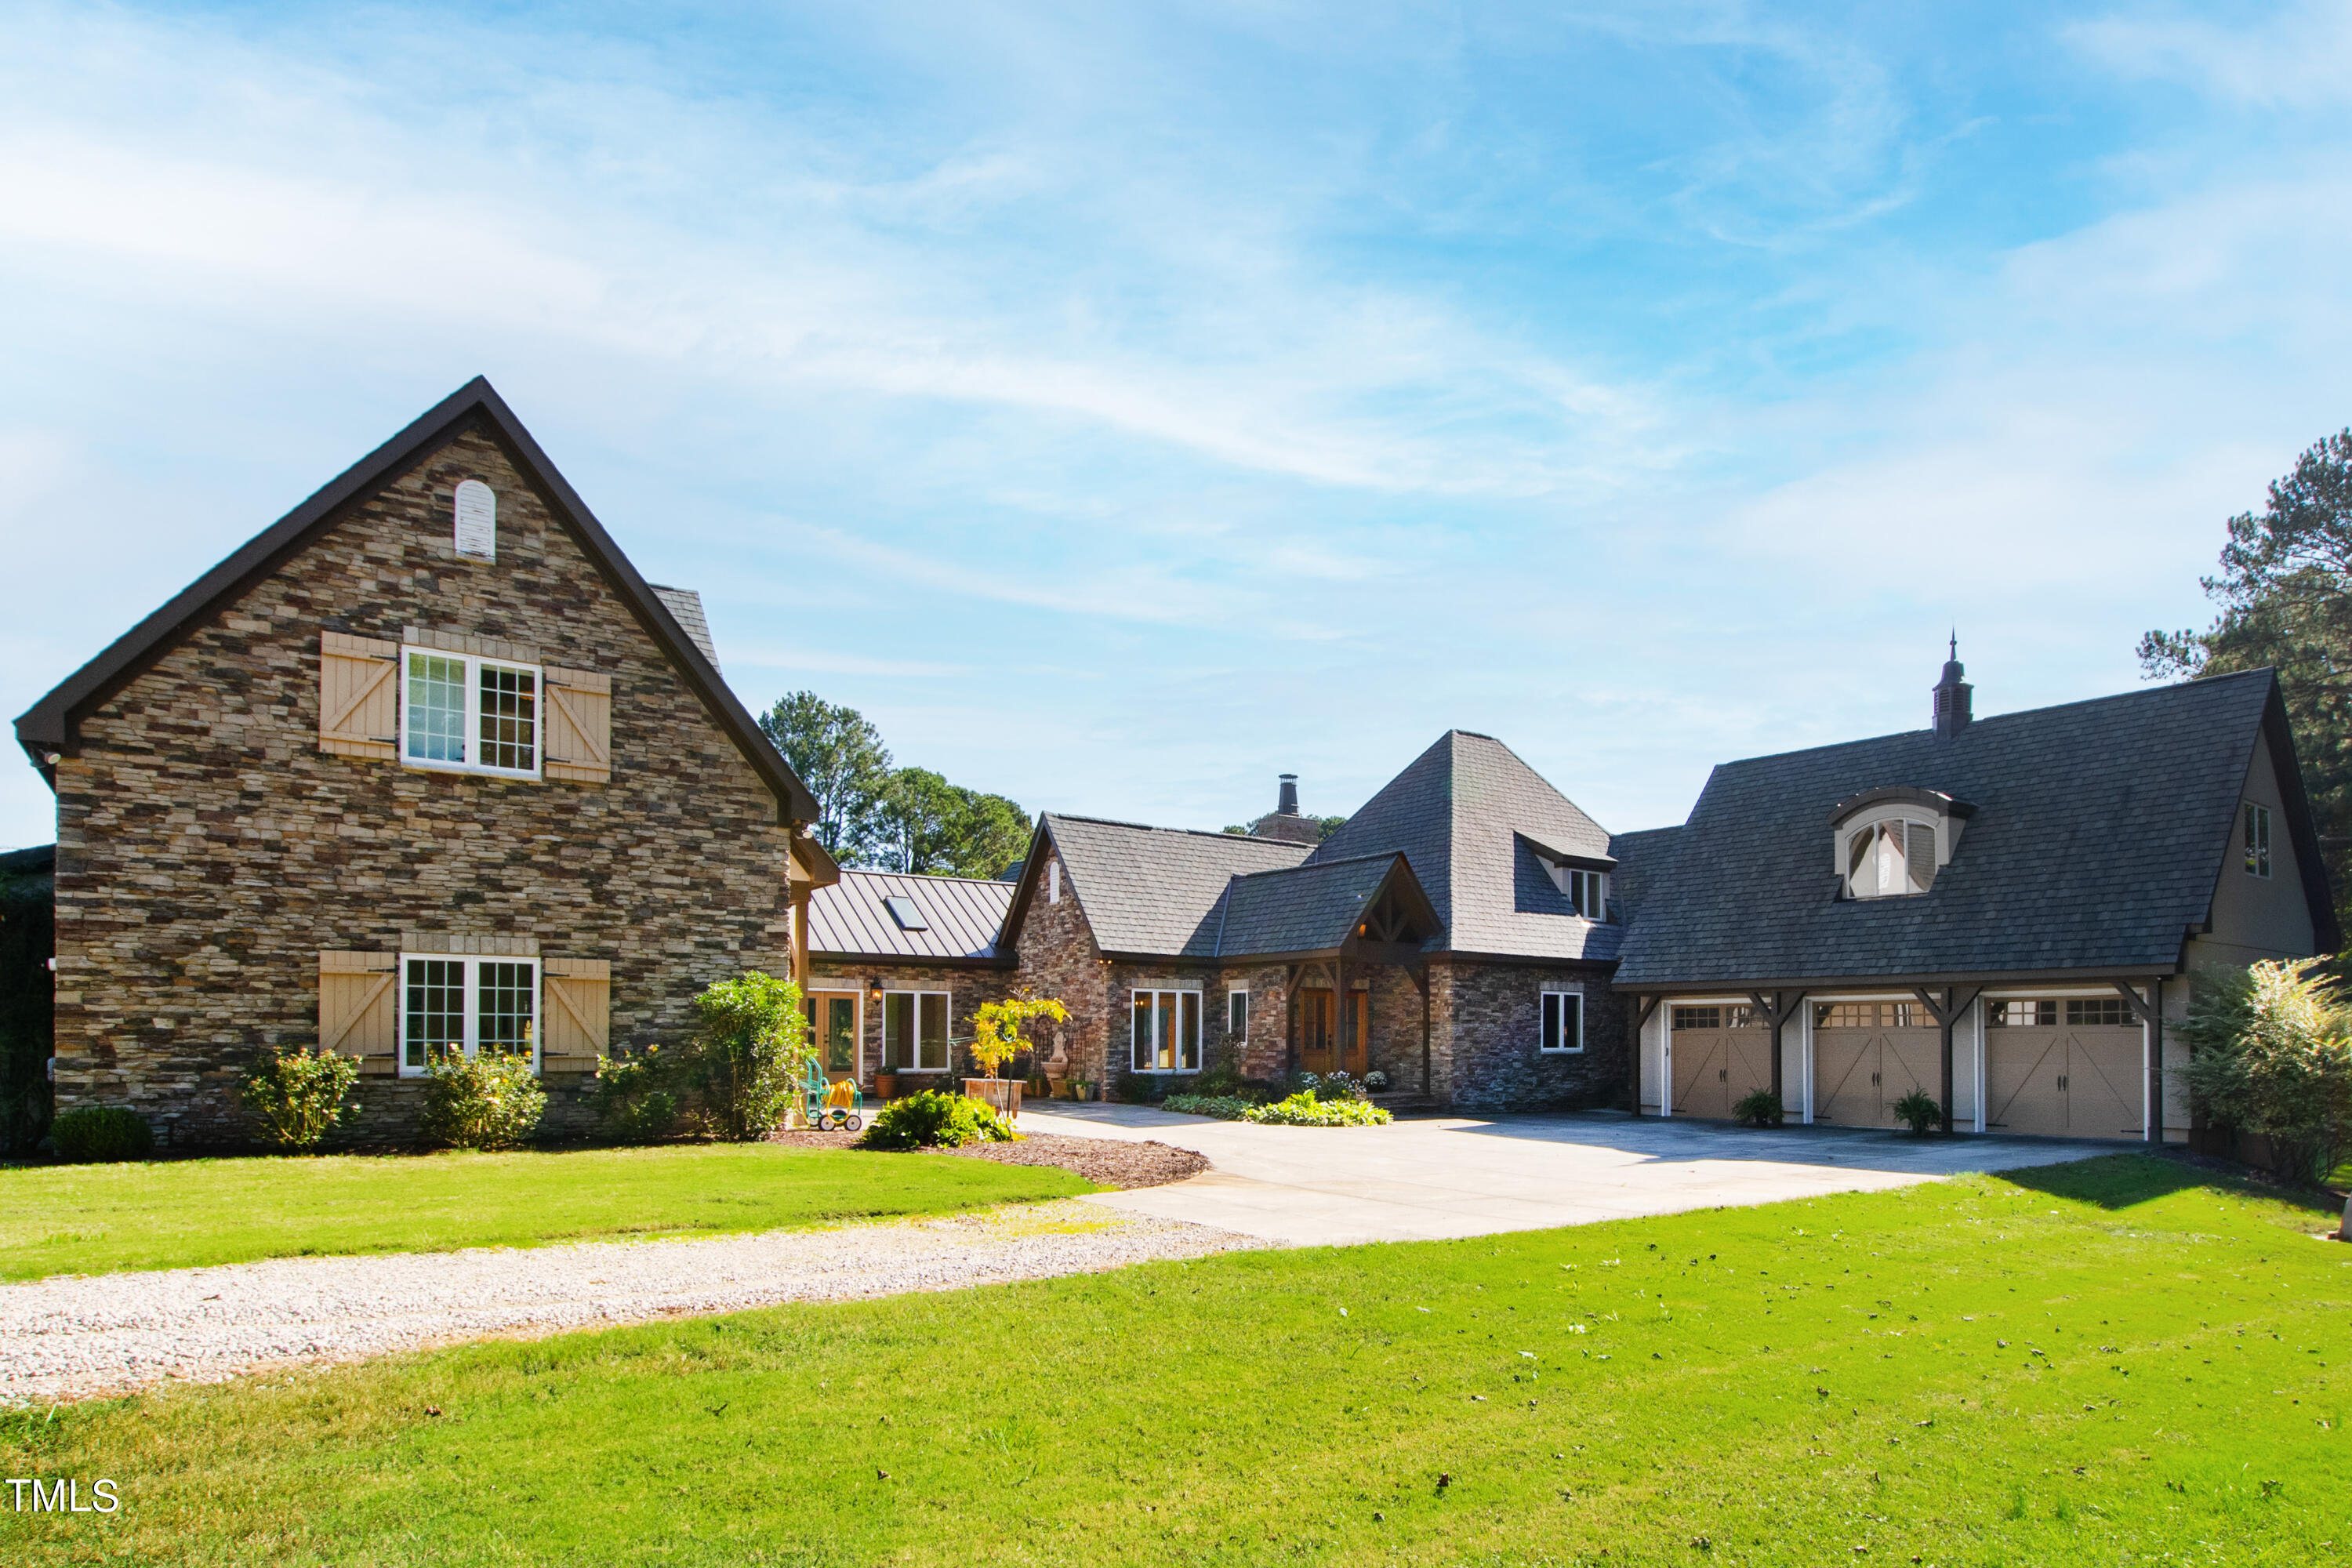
x,y
2148,1011
1781,1007
1958,999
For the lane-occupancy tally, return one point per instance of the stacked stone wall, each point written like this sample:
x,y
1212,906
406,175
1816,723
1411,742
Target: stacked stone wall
x,y
1058,958
207,851
967,990
1492,1016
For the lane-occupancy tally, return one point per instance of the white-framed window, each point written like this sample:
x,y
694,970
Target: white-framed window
x,y
2258,840
1588,891
1890,858
1167,1031
467,714
1237,1014
915,1031
1563,1022
454,1003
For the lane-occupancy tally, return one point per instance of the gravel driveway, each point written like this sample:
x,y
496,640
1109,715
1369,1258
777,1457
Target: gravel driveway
x,y
77,1336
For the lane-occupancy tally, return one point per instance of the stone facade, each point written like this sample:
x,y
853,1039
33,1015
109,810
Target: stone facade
x,y
208,851
967,989
1484,1020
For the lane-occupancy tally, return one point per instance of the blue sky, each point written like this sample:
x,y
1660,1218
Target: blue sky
x,y
1121,405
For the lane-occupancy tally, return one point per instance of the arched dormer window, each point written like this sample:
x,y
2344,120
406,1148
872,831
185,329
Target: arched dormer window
x,y
1890,843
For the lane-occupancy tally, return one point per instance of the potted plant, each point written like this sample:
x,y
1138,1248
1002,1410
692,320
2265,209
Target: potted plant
x,y
886,1083
997,1038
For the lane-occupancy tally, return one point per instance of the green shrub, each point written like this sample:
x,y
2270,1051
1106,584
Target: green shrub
x,y
747,1061
2271,1054
1130,1088
1921,1112
298,1096
936,1120
634,1096
1760,1108
1328,1087
490,1101
1303,1110
102,1135
1223,1107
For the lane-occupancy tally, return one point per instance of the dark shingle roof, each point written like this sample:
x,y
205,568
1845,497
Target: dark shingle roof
x,y
1462,815
850,918
1640,856
1158,889
2097,841
686,608
1304,909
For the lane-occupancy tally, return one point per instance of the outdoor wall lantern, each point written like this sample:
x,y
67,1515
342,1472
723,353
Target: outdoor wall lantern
x,y
874,989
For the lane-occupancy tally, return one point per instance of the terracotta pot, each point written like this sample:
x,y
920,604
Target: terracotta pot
x,y
886,1086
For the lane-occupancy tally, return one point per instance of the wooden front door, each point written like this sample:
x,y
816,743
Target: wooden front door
x,y
1318,1037
833,1031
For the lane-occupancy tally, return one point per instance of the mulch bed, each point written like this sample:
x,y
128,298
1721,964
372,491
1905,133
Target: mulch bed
x,y
1105,1162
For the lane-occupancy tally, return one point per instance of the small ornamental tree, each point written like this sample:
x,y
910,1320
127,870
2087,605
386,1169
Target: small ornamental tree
x,y
996,1028
752,1055
297,1096
2271,1054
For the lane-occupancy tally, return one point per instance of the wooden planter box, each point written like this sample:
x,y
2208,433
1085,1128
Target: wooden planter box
x,y
1003,1093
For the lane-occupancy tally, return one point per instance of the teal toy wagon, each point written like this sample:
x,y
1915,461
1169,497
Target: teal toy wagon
x,y
833,1106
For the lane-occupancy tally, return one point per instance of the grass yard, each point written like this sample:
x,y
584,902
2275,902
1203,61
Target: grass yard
x,y
176,1214
2108,1363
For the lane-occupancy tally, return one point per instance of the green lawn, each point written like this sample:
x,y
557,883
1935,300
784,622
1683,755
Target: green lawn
x,y
92,1219
2100,1363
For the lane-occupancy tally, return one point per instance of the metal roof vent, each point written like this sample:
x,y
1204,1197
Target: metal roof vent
x,y
902,910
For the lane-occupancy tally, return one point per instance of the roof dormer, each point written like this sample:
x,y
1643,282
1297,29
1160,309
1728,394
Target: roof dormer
x,y
1889,843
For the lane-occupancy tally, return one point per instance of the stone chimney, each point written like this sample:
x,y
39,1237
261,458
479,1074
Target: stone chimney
x,y
1284,822
1952,696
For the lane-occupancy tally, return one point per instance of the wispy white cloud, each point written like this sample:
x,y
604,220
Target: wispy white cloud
x,y
2298,57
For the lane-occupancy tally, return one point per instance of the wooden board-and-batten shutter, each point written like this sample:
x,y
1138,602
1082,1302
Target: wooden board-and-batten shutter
x,y
576,1012
359,697
359,1001
579,725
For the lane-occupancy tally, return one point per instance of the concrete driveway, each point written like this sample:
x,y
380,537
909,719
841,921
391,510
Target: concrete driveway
x,y
1430,1178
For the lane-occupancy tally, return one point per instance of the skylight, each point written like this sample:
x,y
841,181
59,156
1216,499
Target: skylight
x,y
902,910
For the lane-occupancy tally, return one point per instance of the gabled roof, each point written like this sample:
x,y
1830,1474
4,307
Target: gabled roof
x,y
1469,816
49,724
960,917
1313,908
2098,840
1151,891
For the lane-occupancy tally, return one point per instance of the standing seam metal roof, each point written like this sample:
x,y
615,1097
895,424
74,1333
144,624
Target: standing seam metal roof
x,y
850,918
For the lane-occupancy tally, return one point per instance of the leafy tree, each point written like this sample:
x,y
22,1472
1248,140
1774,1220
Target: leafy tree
x,y
841,757
2271,1053
1324,827
2286,594
924,824
749,1055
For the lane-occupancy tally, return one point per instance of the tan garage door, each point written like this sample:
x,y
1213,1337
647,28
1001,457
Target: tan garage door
x,y
2059,1068
1867,1056
1720,1053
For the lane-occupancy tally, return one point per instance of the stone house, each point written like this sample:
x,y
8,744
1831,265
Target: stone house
x,y
424,766
1456,935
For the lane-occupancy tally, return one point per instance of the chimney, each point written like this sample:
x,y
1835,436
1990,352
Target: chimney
x,y
1284,821
1952,696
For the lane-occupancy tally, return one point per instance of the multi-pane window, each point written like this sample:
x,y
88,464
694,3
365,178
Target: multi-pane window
x,y
1166,1031
1886,859
1237,1014
1563,1022
2097,1010
833,1031
1737,1017
2258,840
2020,1013
915,1031
464,1007
477,714
1868,1015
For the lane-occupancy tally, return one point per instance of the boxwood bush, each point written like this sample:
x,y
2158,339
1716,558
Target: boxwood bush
x,y
489,1102
97,1134
936,1120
